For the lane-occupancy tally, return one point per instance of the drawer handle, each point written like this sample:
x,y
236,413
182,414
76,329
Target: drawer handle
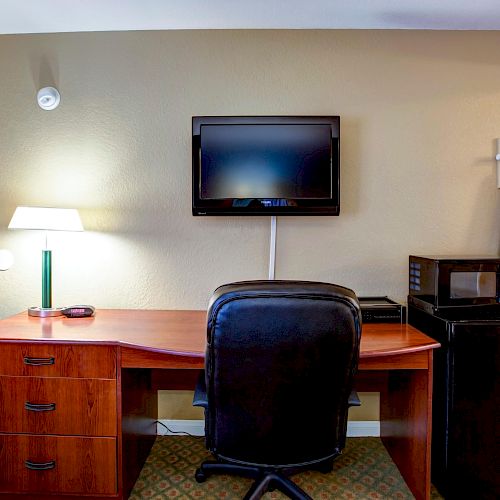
x,y
39,406
39,361
40,465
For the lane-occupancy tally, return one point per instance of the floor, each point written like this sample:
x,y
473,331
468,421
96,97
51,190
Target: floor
x,y
364,471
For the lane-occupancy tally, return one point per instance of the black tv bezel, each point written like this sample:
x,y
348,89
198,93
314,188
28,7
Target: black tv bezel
x,y
330,206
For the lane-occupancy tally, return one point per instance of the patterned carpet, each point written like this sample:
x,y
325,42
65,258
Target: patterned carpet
x,y
364,471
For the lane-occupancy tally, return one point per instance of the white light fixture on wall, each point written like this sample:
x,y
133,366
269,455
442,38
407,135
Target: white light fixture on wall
x,y
48,98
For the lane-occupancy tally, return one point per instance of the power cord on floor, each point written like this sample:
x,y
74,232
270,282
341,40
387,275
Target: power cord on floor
x,y
180,433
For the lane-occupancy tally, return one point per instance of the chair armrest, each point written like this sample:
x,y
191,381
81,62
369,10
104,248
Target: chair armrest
x,y
353,399
200,392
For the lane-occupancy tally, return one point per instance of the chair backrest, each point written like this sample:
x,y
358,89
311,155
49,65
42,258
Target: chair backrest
x,y
280,361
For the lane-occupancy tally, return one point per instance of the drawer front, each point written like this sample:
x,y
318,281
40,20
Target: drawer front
x,y
51,405
43,464
57,360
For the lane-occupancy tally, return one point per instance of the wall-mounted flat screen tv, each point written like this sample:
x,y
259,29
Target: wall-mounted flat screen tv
x,y
266,165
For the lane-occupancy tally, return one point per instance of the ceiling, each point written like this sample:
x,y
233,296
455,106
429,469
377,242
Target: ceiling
x,y
51,16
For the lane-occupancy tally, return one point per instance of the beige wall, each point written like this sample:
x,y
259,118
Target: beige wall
x,y
419,115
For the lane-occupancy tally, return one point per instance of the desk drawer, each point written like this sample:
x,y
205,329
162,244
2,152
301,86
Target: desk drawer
x,y
43,464
57,360
52,405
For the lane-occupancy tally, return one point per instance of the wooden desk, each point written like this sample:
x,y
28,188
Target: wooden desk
x,y
78,397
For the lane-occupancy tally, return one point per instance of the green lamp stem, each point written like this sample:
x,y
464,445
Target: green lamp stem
x,y
46,279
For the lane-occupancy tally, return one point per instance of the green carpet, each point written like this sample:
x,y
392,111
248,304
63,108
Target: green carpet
x,y
364,471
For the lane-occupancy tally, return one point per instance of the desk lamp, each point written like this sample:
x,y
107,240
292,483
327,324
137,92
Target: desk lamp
x,y
46,219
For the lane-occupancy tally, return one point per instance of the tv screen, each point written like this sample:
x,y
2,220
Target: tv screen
x,y
266,165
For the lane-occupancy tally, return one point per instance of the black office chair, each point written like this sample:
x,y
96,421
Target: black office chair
x,y
280,361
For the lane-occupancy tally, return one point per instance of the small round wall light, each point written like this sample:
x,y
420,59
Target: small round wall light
x,y
48,98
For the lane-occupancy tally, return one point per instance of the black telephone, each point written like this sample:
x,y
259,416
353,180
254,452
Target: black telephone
x,y
78,311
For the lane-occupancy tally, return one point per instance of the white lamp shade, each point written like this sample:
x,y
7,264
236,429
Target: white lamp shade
x,y
47,219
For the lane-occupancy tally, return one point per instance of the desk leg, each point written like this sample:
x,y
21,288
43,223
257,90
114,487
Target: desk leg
x,y
139,414
405,425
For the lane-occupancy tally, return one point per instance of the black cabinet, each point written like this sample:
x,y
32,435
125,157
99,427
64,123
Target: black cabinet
x,y
466,402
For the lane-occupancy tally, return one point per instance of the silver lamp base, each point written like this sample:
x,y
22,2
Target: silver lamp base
x,y
45,312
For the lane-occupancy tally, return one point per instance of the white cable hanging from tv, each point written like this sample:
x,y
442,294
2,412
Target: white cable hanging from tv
x,y
272,248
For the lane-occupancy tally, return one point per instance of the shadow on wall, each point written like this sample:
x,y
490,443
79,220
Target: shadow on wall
x,y
489,185
350,160
6,259
44,70
480,48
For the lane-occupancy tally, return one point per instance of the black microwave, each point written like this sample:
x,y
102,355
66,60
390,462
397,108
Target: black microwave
x,y
441,282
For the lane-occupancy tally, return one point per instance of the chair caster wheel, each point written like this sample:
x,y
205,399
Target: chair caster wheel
x,y
200,476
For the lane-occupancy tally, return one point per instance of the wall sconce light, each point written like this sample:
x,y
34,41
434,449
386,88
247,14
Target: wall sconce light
x,y
48,98
46,219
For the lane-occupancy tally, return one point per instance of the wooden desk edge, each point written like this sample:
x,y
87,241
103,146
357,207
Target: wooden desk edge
x,y
144,357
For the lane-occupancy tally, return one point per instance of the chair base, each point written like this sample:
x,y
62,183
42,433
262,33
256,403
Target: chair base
x,y
266,479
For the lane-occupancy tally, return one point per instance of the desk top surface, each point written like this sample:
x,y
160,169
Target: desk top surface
x,y
179,332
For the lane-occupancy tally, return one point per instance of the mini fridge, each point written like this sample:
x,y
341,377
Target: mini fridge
x,y
465,461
